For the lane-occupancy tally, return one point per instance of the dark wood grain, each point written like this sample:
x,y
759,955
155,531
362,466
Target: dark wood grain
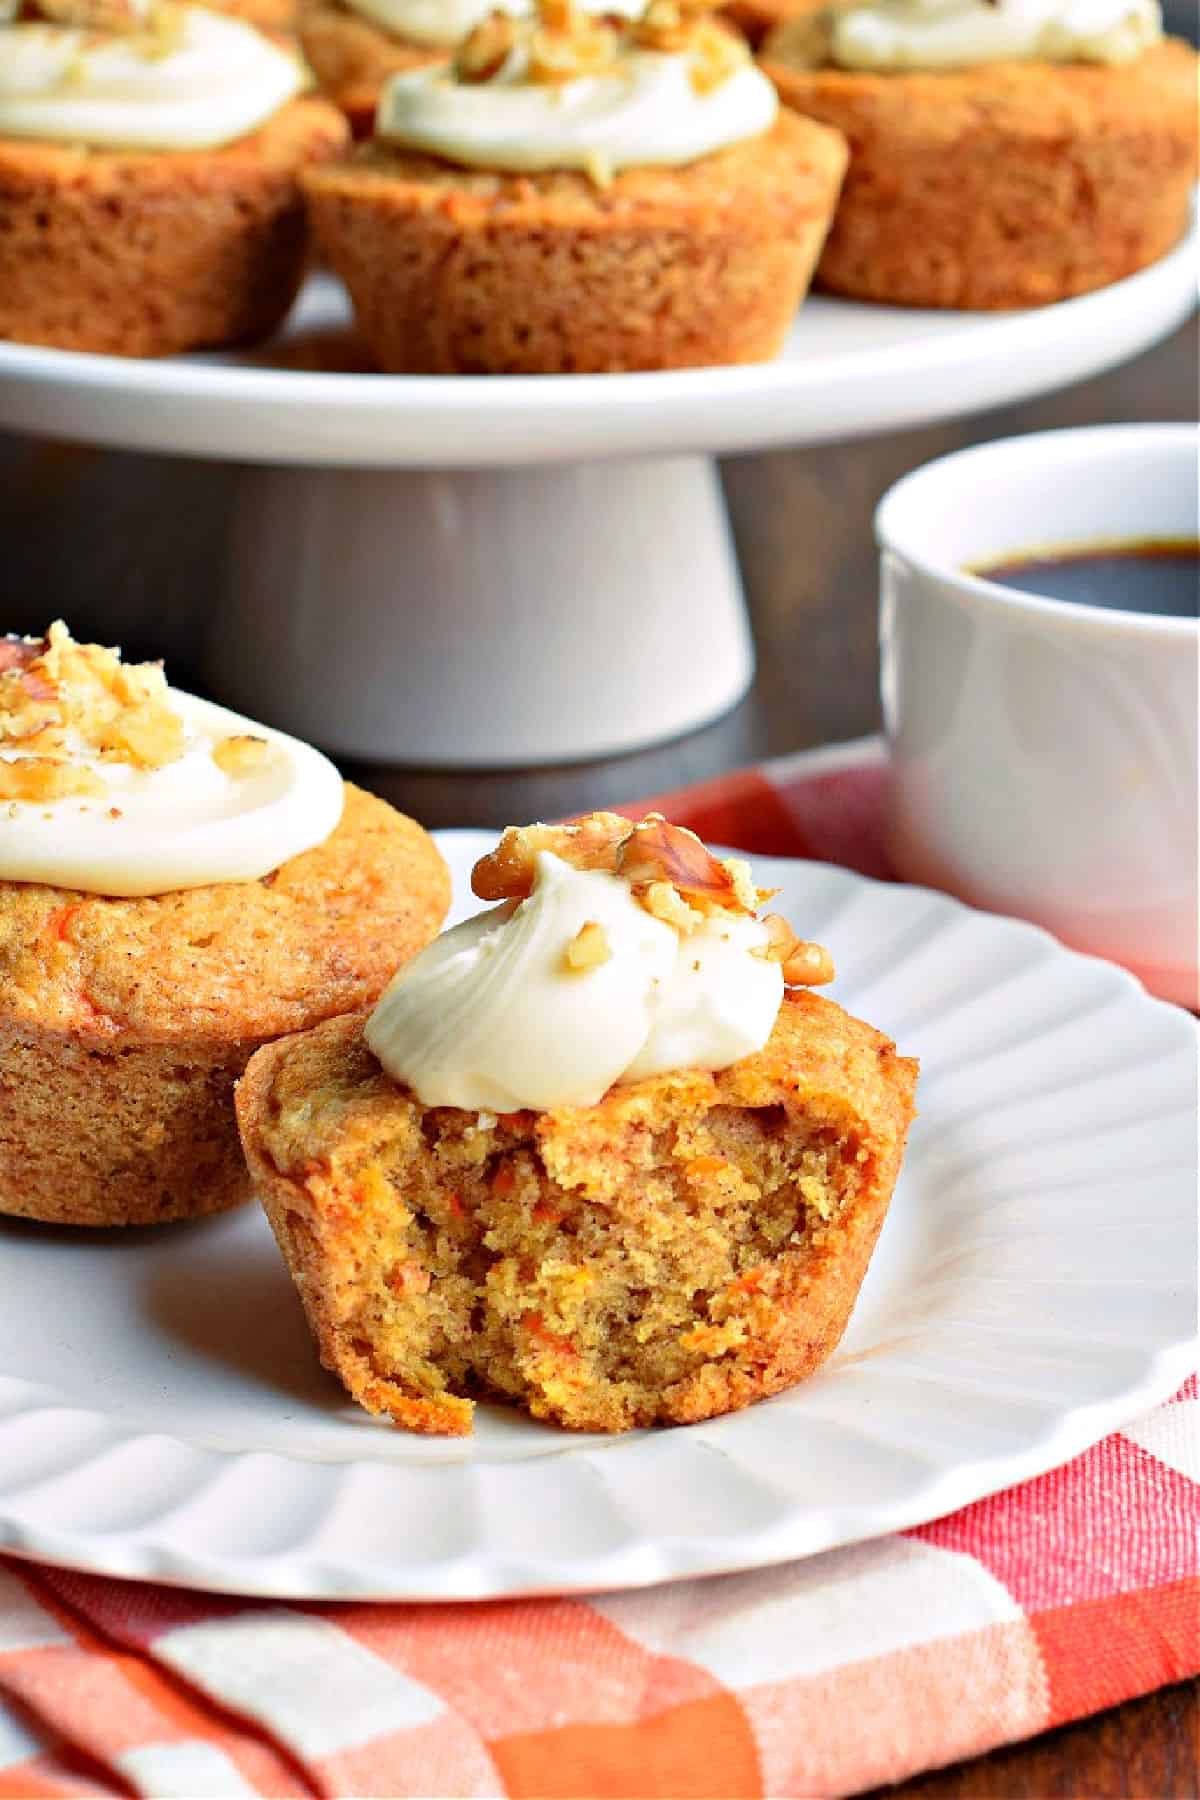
x,y
131,548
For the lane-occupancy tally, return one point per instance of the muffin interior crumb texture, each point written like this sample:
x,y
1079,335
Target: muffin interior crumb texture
x,y
645,1259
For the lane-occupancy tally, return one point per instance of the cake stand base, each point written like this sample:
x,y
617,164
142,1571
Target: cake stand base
x,y
471,619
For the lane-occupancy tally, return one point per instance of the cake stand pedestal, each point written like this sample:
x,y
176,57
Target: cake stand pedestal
x,y
469,572
482,617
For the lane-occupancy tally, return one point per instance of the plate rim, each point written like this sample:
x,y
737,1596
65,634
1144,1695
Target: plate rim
x,y
604,414
491,1573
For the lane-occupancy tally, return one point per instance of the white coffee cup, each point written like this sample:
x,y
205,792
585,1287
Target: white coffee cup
x,y
1044,753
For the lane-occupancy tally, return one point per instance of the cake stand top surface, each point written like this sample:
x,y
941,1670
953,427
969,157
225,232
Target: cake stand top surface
x,y
847,370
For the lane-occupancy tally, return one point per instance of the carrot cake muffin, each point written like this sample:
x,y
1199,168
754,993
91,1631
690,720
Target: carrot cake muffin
x,y
596,1150
572,194
1003,152
150,158
177,886
355,46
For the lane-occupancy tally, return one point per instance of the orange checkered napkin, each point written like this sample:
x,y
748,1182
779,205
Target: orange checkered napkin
x,y
1070,1593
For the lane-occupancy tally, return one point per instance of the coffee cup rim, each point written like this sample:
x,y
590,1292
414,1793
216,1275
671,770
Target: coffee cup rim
x,y
893,537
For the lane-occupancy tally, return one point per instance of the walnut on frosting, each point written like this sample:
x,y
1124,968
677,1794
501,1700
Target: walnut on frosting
x,y
484,51
687,27
562,43
59,698
670,871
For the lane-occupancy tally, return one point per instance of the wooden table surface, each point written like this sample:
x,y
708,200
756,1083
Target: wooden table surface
x,y
130,548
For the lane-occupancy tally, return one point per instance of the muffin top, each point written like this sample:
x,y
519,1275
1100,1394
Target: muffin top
x,y
929,35
169,870
138,74
617,951
569,90
233,962
115,783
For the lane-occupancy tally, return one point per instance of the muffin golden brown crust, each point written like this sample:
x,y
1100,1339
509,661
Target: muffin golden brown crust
x,y
472,271
124,1023
146,253
1012,184
352,58
685,1247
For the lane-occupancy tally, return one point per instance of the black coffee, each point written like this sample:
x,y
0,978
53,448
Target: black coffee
x,y
1149,577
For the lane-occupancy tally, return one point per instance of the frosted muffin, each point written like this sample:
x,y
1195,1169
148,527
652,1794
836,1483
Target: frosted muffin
x,y
595,1151
177,886
355,46
1002,154
150,158
574,195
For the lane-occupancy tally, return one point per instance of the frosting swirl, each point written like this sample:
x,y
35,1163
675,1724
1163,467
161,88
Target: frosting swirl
x,y
937,34
639,955
174,78
567,92
113,783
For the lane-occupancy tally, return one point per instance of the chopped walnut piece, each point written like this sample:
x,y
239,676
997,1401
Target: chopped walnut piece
x,y
18,652
670,24
662,901
809,965
507,872
146,735
57,696
673,876
589,948
484,51
749,897
803,964
241,755
164,31
715,52
28,701
563,43
42,778
567,45
658,851
686,27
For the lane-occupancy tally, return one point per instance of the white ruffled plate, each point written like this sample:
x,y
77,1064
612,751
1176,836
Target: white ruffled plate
x,y
162,1414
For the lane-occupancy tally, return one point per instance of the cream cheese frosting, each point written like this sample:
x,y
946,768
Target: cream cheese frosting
x,y
493,1015
576,95
167,791
437,22
188,79
936,34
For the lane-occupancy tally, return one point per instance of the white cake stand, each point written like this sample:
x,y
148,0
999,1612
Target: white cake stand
x,y
467,572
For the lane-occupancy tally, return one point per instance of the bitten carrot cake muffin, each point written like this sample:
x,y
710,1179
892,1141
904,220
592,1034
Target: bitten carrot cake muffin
x,y
1002,152
573,194
594,1150
150,156
177,885
355,46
